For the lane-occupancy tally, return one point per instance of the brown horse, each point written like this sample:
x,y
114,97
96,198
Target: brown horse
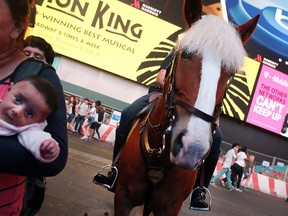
x,y
159,162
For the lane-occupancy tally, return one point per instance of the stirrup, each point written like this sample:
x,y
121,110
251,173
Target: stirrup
x,y
107,167
210,198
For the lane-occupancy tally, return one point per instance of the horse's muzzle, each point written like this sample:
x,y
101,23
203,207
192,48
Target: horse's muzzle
x,y
188,155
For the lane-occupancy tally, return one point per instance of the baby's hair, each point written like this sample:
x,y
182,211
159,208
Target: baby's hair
x,y
47,90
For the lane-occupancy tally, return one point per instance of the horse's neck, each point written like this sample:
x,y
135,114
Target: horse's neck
x,y
154,132
159,111
158,117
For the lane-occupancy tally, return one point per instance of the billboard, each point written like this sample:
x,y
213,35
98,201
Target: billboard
x,y
129,38
107,34
270,101
265,98
269,42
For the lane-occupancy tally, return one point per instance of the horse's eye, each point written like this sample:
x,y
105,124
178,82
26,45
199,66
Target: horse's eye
x,y
185,55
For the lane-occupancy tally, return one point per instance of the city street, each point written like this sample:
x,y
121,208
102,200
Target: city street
x,y
72,192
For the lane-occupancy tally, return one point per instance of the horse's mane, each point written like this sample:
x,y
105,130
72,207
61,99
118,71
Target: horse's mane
x,y
212,34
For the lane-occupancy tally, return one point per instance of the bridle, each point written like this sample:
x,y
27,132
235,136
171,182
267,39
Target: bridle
x,y
171,102
170,105
165,128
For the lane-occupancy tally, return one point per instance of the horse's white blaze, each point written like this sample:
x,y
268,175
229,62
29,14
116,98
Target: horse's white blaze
x,y
198,129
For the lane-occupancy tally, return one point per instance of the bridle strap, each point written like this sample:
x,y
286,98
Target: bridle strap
x,y
196,111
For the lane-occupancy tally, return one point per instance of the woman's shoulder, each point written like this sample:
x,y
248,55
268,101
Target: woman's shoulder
x,y
32,66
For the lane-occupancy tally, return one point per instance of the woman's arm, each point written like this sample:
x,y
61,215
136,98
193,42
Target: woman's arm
x,y
161,77
16,159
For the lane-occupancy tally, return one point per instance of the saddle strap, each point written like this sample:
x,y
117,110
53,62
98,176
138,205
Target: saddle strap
x,y
202,171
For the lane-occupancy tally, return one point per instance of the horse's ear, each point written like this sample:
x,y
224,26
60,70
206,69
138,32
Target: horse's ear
x,y
245,30
192,10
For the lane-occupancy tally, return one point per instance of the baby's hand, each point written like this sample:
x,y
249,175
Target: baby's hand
x,y
49,149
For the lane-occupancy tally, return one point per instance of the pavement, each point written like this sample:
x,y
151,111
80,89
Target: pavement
x,y
72,193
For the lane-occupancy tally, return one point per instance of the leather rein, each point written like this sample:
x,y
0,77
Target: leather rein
x,y
166,127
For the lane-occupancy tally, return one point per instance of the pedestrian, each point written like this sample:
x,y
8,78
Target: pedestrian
x,y
249,169
94,127
71,107
89,119
229,159
238,167
82,113
15,160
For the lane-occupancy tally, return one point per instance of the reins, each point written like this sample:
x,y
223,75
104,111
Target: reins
x,y
170,105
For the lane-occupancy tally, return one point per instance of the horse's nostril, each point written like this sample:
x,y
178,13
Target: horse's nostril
x,y
178,143
188,153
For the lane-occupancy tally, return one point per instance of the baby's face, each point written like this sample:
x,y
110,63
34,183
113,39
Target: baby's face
x,y
23,105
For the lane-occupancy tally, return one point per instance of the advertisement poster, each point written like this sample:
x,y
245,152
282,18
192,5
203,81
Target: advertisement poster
x,y
270,101
129,38
240,89
107,34
268,46
269,42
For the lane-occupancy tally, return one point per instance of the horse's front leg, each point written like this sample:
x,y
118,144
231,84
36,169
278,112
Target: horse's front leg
x,y
169,195
122,205
130,191
132,184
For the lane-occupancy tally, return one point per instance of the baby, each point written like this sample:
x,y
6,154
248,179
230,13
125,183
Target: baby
x,y
23,111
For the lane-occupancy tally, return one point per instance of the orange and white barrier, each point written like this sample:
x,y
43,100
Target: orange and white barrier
x,y
262,183
268,185
107,133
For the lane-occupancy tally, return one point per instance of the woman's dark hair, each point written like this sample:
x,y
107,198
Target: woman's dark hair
x,y
98,103
47,89
74,101
42,44
244,149
20,12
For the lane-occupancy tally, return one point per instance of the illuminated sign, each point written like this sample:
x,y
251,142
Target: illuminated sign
x,y
270,101
107,34
269,46
269,42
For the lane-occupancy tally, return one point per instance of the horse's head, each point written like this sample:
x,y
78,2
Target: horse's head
x,y
209,53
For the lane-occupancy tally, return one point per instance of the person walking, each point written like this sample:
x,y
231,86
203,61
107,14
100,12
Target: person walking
x,y
230,158
238,167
